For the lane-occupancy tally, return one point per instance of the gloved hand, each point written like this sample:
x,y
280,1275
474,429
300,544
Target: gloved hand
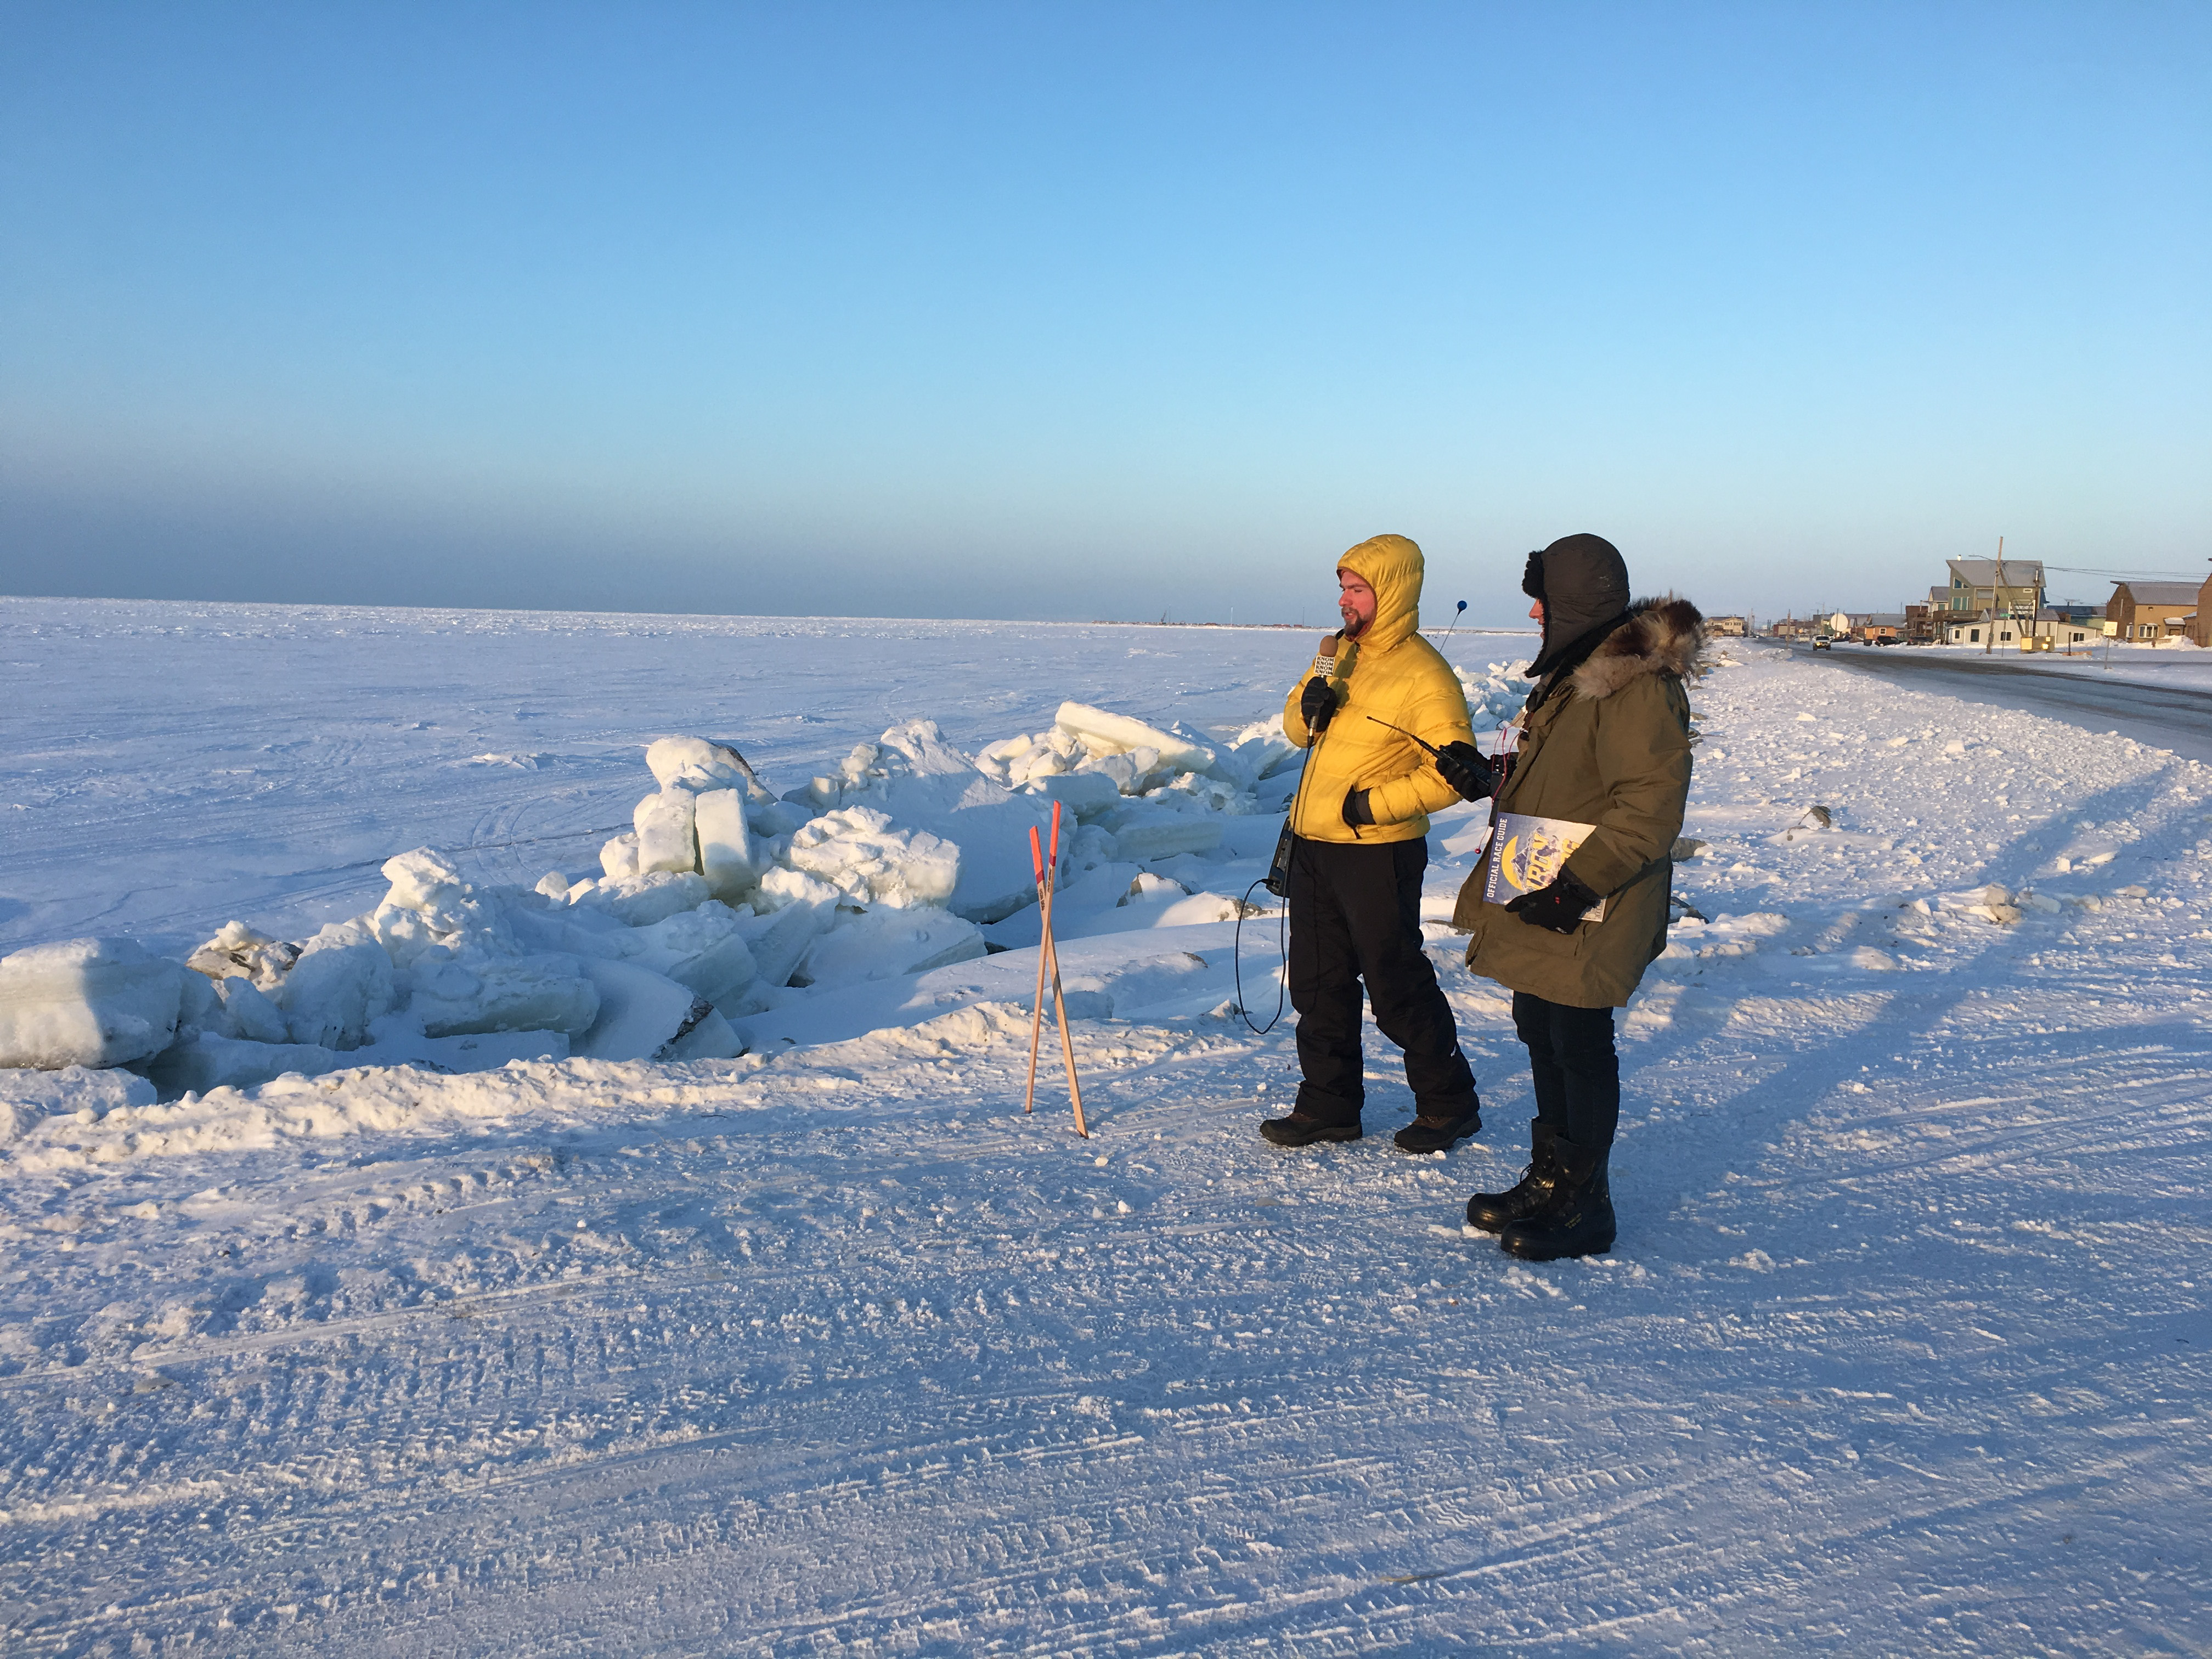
x,y
1356,810
1559,907
1466,769
1317,705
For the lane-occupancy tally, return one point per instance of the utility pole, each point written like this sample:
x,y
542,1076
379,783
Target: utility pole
x,y
1997,591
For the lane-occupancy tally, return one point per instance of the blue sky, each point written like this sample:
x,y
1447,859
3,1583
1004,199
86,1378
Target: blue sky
x,y
1075,311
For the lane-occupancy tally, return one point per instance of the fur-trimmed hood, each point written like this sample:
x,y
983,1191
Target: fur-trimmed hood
x,y
1664,636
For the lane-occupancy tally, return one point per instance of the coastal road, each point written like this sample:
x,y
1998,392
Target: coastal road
x,y
2173,717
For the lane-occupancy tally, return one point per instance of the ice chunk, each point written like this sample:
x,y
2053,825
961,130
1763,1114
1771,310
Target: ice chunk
x,y
925,750
923,783
711,1038
728,855
886,943
219,1062
696,764
455,953
856,850
1105,734
424,879
1082,794
478,992
247,1015
779,937
239,951
665,838
640,1013
1144,837
92,1002
618,858
27,1095
1132,771
780,889
1261,749
640,901
342,981
704,949
199,1003
554,885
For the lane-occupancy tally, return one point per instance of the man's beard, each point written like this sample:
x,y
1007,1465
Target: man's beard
x,y
1353,626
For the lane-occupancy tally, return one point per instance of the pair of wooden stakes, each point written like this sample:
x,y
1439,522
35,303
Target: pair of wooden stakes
x,y
1048,878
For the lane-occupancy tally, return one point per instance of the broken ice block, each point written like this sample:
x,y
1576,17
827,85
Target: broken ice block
x,y
886,943
696,764
618,858
237,949
727,857
665,839
87,1002
342,981
639,1012
1105,733
220,1062
496,994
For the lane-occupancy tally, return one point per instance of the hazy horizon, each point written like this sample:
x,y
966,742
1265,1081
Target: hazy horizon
x,y
995,311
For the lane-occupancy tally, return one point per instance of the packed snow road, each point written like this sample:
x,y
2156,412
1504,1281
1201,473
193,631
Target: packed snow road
x,y
2170,716
830,1349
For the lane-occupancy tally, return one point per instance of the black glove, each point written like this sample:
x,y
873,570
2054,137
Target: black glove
x,y
1317,706
1559,907
1466,770
1356,809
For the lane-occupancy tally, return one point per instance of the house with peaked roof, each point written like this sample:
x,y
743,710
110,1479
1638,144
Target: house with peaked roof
x,y
1990,587
2152,611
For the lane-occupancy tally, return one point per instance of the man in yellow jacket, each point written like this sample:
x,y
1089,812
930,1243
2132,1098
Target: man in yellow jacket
x,y
1359,823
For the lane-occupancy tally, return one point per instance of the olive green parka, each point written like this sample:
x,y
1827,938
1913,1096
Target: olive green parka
x,y
1393,675
1609,747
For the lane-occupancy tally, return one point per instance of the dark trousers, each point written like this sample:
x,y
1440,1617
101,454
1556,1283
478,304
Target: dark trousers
x,y
1577,1073
1355,915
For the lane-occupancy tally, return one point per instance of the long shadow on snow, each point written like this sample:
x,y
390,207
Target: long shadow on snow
x,y
1712,1144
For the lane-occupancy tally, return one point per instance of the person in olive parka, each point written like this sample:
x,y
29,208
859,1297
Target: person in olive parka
x,y
1603,740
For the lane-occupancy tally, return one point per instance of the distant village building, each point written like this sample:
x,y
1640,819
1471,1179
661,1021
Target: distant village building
x,y
1919,628
1976,590
2152,611
1727,628
2054,629
2201,629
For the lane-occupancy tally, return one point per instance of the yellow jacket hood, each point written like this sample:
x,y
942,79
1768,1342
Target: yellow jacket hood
x,y
1392,566
1391,683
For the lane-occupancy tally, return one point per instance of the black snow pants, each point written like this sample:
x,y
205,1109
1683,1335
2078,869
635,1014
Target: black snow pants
x,y
1355,915
1572,1063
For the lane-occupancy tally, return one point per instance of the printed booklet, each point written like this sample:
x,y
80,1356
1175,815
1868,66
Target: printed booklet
x,y
1525,852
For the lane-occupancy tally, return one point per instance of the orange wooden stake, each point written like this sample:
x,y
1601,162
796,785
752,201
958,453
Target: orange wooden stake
x,y
1059,1002
1037,1018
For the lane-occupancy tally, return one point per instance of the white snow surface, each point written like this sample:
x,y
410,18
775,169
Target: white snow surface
x,y
829,1348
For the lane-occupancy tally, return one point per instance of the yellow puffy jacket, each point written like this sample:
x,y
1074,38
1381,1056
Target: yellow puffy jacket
x,y
1391,674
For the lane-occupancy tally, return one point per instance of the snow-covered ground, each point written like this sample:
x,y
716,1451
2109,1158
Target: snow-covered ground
x,y
827,1348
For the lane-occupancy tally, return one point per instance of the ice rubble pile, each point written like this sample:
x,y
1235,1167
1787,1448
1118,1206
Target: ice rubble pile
x,y
721,900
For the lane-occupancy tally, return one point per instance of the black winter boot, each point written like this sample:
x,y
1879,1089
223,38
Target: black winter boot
x,y
1299,1130
1432,1134
1494,1212
1578,1219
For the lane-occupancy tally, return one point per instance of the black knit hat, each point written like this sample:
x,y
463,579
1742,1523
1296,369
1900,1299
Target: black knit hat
x,y
1532,579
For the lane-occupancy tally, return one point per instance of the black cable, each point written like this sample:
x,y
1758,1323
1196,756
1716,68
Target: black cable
x,y
1283,928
